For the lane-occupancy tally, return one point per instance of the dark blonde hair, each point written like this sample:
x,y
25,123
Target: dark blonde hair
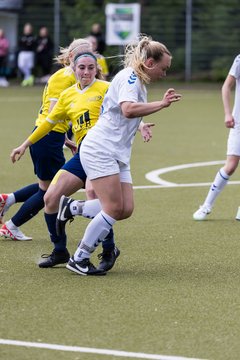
x,y
137,53
76,46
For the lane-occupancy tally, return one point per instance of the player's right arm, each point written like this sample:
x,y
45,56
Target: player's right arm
x,y
227,87
38,134
55,117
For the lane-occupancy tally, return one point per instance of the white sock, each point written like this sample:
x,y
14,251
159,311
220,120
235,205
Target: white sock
x,y
95,233
91,208
10,225
76,207
216,188
10,200
88,209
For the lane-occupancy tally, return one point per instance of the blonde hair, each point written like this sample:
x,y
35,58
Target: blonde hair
x,y
77,46
137,53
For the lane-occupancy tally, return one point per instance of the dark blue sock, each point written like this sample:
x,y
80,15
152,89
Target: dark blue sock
x,y
59,242
108,242
29,209
24,193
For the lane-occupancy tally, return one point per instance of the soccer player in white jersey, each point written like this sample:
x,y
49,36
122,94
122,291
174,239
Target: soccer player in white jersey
x,y
47,155
106,150
232,121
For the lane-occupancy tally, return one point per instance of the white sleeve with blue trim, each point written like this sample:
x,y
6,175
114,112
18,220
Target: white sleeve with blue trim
x,y
128,87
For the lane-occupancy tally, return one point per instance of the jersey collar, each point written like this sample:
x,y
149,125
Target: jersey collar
x,y
87,87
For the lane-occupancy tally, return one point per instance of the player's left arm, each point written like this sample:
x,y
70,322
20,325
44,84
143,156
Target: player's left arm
x,y
138,109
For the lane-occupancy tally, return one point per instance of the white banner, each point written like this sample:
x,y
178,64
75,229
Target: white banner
x,y
122,23
11,4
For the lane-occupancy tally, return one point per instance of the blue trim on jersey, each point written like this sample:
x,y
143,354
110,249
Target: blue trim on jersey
x,y
132,78
47,155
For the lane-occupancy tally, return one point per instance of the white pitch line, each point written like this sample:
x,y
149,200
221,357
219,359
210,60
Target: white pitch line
x,y
142,187
92,350
153,176
179,185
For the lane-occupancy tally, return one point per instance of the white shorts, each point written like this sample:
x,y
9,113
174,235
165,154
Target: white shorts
x,y
26,59
233,144
101,164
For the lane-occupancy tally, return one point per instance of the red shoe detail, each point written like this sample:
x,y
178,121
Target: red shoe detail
x,y
14,234
3,200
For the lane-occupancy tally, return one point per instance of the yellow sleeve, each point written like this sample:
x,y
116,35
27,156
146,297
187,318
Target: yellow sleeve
x,y
41,131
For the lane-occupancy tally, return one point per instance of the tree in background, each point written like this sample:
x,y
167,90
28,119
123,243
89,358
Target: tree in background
x,y
215,29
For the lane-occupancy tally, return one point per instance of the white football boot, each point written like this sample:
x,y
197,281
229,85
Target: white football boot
x,y
202,213
14,234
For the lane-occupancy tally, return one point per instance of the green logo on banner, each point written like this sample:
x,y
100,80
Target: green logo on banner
x,y
123,19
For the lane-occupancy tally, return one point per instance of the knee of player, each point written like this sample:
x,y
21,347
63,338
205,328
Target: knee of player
x,y
51,202
121,212
127,212
230,169
115,210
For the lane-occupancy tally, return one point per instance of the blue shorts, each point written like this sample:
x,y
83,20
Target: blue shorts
x,y
74,166
47,155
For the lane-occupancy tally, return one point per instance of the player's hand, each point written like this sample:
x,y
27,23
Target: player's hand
x,y
170,96
17,153
71,145
146,131
229,121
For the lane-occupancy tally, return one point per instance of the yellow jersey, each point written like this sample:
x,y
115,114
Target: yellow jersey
x,y
80,106
59,81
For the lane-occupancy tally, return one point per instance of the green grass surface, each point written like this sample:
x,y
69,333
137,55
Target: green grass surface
x,y
175,287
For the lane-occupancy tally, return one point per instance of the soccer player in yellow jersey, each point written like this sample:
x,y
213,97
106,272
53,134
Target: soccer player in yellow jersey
x,y
47,155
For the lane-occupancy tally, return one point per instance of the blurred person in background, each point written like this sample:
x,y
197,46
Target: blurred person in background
x,y
100,58
44,53
4,47
26,54
96,30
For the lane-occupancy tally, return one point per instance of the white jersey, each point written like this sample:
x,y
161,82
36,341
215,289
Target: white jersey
x,y
235,71
113,132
